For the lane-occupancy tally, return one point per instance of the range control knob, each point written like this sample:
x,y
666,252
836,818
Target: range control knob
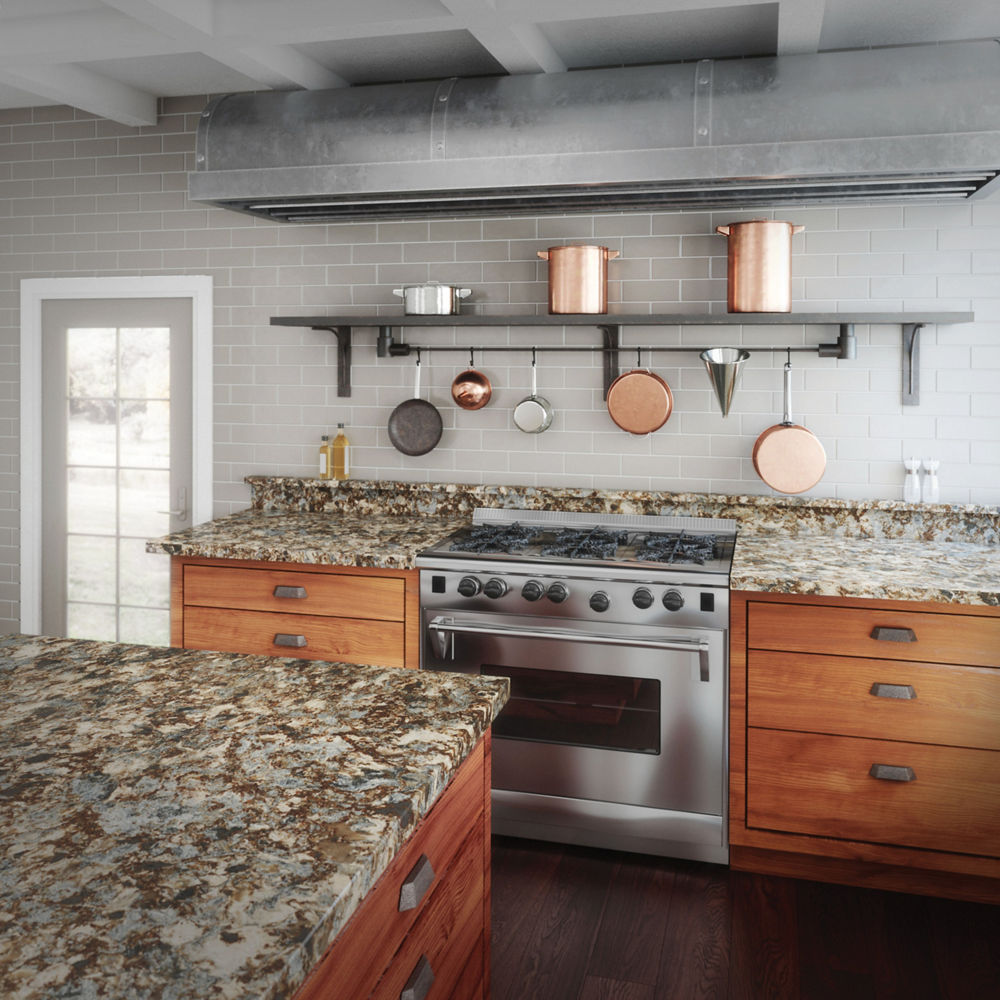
x,y
599,601
557,593
532,590
642,598
495,588
673,601
469,586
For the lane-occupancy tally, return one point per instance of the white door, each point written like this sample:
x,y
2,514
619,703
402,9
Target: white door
x,y
116,463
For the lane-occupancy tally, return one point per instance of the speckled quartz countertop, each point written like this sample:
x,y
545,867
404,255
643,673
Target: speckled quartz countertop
x,y
370,538
180,824
879,549
898,569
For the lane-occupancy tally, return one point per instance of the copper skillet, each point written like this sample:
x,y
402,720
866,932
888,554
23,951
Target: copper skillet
x,y
787,456
640,401
471,389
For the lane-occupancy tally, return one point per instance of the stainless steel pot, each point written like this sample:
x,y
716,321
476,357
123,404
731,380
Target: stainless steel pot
x,y
578,278
431,298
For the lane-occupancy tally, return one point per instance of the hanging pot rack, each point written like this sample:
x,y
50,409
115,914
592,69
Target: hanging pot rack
x,y
843,348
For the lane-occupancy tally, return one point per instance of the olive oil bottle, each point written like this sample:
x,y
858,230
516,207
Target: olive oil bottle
x,y
341,449
324,457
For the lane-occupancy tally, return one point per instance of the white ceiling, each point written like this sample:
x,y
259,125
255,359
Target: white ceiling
x,y
115,57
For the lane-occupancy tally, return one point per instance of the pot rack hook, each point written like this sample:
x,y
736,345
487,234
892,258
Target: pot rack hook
x,y
472,357
788,357
534,351
638,357
418,357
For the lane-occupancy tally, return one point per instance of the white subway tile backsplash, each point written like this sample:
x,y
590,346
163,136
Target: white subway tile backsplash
x,y
82,196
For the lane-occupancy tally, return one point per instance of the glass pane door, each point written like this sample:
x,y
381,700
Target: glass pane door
x,y
117,464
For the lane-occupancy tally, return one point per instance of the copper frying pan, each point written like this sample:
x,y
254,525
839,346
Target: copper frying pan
x,y
640,401
787,456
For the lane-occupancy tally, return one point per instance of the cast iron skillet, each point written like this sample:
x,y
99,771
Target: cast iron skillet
x,y
415,425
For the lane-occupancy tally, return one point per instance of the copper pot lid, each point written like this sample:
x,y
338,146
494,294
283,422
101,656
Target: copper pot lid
x,y
639,401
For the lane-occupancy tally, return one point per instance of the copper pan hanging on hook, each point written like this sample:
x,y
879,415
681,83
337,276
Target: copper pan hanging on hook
x,y
639,401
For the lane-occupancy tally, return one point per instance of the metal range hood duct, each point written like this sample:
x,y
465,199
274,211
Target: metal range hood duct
x,y
904,124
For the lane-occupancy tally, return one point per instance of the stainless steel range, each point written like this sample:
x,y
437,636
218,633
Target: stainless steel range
x,y
613,632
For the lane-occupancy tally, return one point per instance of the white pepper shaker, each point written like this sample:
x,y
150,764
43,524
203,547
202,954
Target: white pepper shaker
x,y
911,484
931,488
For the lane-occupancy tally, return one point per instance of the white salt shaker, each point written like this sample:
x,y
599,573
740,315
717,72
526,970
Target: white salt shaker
x,y
931,490
911,484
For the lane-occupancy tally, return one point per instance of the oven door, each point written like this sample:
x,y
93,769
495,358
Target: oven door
x,y
621,714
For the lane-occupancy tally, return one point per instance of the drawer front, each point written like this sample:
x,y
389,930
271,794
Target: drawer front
x,y
307,637
447,934
297,593
892,635
822,785
878,699
366,947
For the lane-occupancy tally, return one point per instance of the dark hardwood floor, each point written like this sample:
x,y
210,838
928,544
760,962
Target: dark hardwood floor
x,y
572,923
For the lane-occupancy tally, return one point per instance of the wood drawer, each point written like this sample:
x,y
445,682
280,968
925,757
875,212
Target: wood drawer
x,y
367,945
350,640
342,595
449,931
950,705
926,636
820,785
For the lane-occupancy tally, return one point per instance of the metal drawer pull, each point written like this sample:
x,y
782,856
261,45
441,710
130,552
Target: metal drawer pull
x,y
886,634
284,639
904,692
299,592
420,982
892,772
416,884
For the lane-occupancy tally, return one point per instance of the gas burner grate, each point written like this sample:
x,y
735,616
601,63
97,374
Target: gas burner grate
x,y
595,543
677,548
487,538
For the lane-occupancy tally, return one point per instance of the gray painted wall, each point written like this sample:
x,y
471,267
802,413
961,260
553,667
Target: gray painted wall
x,y
85,196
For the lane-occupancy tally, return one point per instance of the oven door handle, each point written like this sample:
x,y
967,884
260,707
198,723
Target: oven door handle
x,y
699,646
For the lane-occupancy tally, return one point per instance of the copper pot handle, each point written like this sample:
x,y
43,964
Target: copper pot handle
x,y
544,254
724,230
798,229
611,254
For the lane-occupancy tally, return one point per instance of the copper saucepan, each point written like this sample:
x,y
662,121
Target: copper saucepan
x,y
578,278
787,456
471,389
639,401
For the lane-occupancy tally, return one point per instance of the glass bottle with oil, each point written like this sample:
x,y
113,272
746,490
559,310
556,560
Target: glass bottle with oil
x,y
341,451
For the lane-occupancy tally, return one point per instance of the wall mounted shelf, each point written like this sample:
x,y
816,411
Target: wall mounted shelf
x,y
610,324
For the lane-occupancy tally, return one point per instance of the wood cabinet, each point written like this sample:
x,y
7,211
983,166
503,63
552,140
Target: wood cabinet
x,y
425,924
865,742
351,614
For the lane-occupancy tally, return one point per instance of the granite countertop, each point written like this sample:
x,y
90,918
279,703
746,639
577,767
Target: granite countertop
x,y
368,538
181,824
898,569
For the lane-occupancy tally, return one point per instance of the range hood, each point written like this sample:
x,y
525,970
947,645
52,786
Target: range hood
x,y
909,124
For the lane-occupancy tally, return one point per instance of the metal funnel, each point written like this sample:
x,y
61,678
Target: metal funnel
x,y
723,365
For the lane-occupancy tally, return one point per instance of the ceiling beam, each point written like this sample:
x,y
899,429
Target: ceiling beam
x,y
191,23
518,47
82,88
800,24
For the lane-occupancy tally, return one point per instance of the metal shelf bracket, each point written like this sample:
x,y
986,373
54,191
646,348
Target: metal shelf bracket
x,y
911,363
343,335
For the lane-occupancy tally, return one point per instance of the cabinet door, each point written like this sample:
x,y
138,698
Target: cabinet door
x,y
295,592
894,635
310,637
942,798
880,699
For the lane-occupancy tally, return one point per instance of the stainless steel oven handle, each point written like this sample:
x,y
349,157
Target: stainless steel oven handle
x,y
698,646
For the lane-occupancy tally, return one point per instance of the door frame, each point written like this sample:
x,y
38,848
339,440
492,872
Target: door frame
x,y
35,291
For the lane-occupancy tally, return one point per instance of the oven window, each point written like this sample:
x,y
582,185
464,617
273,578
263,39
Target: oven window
x,y
584,710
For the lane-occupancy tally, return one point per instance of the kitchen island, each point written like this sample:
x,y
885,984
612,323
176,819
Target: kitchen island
x,y
182,824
